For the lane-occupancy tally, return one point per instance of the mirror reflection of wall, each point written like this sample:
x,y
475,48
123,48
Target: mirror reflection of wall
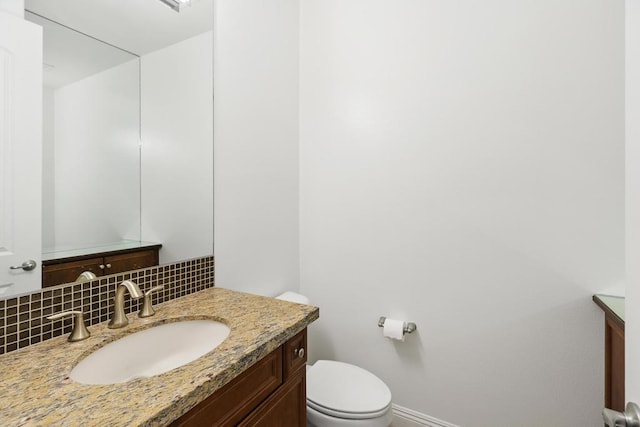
x,y
138,163
91,140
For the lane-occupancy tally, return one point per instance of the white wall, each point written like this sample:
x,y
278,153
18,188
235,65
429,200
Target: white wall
x,y
462,167
177,148
48,168
256,145
632,326
97,184
14,7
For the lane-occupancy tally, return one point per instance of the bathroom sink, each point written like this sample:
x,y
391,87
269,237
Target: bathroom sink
x,y
150,352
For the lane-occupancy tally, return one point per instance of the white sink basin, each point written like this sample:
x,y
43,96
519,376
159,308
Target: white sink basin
x,y
150,352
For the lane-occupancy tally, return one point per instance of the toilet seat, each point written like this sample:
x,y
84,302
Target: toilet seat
x,y
346,391
347,415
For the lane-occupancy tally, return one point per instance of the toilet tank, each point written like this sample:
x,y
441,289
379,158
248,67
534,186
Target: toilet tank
x,y
293,297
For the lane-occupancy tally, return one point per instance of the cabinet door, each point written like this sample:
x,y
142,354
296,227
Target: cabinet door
x,y
68,272
287,407
131,261
234,401
295,353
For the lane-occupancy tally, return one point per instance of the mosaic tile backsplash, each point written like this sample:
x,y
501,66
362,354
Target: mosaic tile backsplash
x,y
23,319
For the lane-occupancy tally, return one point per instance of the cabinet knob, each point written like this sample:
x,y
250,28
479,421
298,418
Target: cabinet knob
x,y
101,266
298,352
108,265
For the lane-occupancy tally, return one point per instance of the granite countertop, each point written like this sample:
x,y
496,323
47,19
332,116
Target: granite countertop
x,y
37,390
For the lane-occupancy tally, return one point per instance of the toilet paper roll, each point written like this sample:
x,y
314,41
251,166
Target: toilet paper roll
x,y
393,329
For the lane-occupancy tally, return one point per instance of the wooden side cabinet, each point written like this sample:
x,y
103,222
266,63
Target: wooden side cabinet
x,y
613,308
614,366
270,393
67,270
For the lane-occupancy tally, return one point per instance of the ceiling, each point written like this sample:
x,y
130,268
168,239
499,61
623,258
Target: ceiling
x,y
69,56
138,26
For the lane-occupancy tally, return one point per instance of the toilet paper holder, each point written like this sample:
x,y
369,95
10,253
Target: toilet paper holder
x,y
407,329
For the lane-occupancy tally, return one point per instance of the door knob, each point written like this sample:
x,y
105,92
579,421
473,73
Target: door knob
x,y
26,266
629,418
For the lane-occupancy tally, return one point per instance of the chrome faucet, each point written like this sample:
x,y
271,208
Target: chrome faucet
x,y
119,318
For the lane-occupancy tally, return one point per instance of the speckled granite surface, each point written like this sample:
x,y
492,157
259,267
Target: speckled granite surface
x,y
36,389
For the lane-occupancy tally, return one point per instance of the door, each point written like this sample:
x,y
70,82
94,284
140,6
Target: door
x,y
20,154
632,151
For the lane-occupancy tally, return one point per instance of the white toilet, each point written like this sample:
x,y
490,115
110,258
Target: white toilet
x,y
343,395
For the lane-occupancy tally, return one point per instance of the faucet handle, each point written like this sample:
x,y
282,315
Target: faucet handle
x,y
147,307
80,331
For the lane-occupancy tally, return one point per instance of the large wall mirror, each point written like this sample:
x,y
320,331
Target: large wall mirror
x,y
91,141
127,126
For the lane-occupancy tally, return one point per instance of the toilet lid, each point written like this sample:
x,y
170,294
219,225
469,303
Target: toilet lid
x,y
346,391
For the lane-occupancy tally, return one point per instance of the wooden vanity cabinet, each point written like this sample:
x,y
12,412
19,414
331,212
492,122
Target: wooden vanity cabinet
x,y
67,270
286,407
270,393
130,261
614,397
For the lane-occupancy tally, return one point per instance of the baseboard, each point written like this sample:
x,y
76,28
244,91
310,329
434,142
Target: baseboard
x,y
404,417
